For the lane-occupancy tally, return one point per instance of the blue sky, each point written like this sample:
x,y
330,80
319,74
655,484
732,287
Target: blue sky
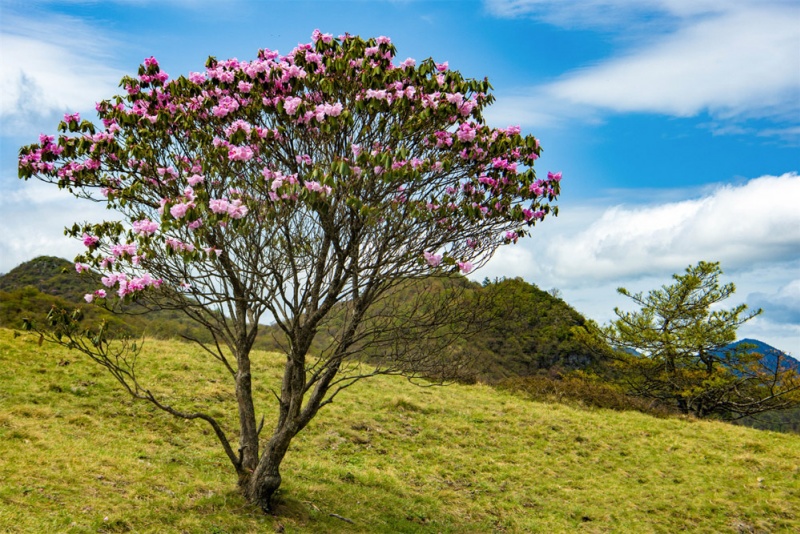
x,y
676,123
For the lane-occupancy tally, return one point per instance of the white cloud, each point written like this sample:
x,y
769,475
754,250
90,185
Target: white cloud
x,y
752,229
33,222
605,13
50,67
744,63
732,59
757,222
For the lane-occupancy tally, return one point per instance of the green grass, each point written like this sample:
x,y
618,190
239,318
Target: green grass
x,y
77,455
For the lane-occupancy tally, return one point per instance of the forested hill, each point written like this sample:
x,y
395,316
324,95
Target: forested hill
x,y
32,288
530,330
526,331
50,275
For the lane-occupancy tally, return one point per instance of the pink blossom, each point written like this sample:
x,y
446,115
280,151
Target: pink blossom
x,y
511,236
291,104
465,132
80,267
168,172
88,297
454,98
226,105
113,279
441,67
179,210
240,153
150,62
245,86
121,250
90,241
408,62
554,176
334,110
317,187
195,179
237,210
465,267
379,94
486,180
145,227
218,206
197,77
324,37
433,259
536,188
178,246
236,126
76,117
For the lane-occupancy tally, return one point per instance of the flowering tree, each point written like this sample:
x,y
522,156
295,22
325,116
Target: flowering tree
x,y
291,188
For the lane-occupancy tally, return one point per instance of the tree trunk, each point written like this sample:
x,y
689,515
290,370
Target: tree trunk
x,y
248,443
266,479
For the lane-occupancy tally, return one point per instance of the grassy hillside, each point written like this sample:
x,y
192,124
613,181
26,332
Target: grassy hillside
x,y
76,455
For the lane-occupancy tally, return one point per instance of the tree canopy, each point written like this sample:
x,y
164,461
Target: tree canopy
x,y
285,187
678,350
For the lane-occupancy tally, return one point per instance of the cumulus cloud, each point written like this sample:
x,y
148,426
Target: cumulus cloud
x,y
756,222
50,67
781,306
732,59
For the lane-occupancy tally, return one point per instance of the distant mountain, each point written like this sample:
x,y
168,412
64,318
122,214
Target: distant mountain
x,y
770,355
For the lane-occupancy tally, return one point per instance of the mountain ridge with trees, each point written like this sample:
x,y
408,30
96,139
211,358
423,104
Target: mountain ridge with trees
x,y
530,333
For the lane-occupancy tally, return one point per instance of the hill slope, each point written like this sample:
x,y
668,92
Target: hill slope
x,y
77,456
